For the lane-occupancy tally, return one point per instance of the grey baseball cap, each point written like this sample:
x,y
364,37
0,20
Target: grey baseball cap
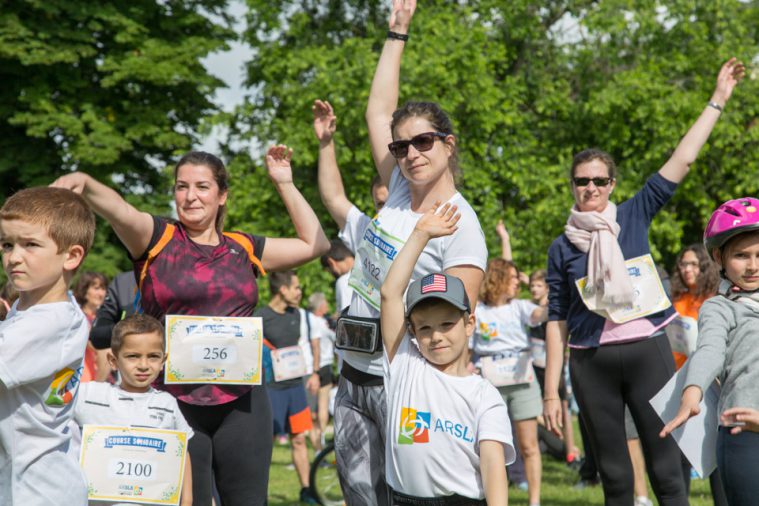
x,y
437,286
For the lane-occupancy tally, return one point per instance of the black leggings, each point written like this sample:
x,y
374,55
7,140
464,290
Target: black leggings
x,y
737,462
232,445
604,380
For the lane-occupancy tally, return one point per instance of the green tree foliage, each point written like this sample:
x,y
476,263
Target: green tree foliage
x,y
114,87
528,84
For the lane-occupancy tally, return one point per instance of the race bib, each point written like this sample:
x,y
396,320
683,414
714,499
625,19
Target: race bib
x,y
649,297
538,352
131,464
683,334
288,363
375,253
509,370
223,350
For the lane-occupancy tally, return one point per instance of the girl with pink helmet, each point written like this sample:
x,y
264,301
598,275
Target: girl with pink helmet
x,y
727,348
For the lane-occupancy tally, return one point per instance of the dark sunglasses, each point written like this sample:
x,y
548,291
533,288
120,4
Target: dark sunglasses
x,y
421,142
585,181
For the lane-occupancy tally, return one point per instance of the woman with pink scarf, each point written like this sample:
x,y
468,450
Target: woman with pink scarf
x,y
619,354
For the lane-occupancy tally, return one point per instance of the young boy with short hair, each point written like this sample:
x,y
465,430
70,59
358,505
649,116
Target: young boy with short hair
x,y
45,234
448,432
137,351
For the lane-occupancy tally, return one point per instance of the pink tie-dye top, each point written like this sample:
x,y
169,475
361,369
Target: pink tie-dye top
x,y
194,279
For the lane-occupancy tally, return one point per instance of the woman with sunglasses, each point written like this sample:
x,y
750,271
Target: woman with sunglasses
x,y
627,362
414,149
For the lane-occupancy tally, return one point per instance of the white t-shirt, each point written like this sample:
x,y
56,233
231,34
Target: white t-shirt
x,y
41,352
343,292
306,336
106,404
435,423
320,328
389,230
503,329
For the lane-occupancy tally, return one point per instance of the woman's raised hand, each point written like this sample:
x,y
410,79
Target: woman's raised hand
x,y
325,121
278,164
439,221
729,75
400,16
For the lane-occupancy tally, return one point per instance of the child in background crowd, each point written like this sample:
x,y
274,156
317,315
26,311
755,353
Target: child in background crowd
x,y
137,352
448,431
728,326
45,235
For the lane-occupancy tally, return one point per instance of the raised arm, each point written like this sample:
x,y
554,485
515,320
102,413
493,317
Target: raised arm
x,y
686,152
503,234
331,187
556,338
383,96
392,311
134,228
280,254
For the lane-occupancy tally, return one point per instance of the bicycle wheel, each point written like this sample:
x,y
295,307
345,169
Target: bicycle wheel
x,y
325,483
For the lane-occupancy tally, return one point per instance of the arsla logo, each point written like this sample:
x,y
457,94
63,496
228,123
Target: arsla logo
x,y
63,387
488,331
414,428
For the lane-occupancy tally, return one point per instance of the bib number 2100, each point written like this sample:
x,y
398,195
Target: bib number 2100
x,y
131,469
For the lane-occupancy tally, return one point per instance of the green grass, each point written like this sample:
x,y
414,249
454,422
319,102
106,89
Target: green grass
x,y
556,490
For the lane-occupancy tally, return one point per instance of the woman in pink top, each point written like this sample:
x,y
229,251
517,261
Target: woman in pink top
x,y
202,272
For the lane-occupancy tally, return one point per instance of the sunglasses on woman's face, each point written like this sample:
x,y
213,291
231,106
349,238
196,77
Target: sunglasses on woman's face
x,y
421,142
585,181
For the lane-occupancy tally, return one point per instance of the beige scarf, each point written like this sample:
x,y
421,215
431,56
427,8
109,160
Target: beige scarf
x,y
596,234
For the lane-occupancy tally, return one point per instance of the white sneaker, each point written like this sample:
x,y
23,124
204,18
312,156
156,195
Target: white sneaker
x,y
643,501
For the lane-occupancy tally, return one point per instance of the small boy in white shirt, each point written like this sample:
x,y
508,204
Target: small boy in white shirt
x,y
45,235
448,433
137,352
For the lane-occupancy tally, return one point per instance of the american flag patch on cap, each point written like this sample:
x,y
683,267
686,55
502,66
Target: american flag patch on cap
x,y
434,283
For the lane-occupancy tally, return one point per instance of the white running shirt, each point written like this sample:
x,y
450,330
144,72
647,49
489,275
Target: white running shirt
x,y
41,353
465,247
435,423
503,329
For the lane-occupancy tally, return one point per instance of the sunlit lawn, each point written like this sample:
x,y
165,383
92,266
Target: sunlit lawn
x,y
558,480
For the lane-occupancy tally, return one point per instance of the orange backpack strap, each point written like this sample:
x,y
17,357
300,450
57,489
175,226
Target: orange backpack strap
x,y
268,344
243,241
168,233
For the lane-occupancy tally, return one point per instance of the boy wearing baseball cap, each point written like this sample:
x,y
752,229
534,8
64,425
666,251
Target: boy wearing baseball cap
x,y
449,435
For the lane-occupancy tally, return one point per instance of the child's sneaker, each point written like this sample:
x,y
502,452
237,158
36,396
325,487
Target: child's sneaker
x,y
643,501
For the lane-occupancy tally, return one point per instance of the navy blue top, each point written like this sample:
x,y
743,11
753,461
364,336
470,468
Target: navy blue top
x,y
566,263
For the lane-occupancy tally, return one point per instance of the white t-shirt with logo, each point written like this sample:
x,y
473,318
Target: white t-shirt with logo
x,y
41,353
503,329
388,231
435,423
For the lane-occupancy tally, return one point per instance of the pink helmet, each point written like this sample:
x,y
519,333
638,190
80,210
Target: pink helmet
x,y
730,219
